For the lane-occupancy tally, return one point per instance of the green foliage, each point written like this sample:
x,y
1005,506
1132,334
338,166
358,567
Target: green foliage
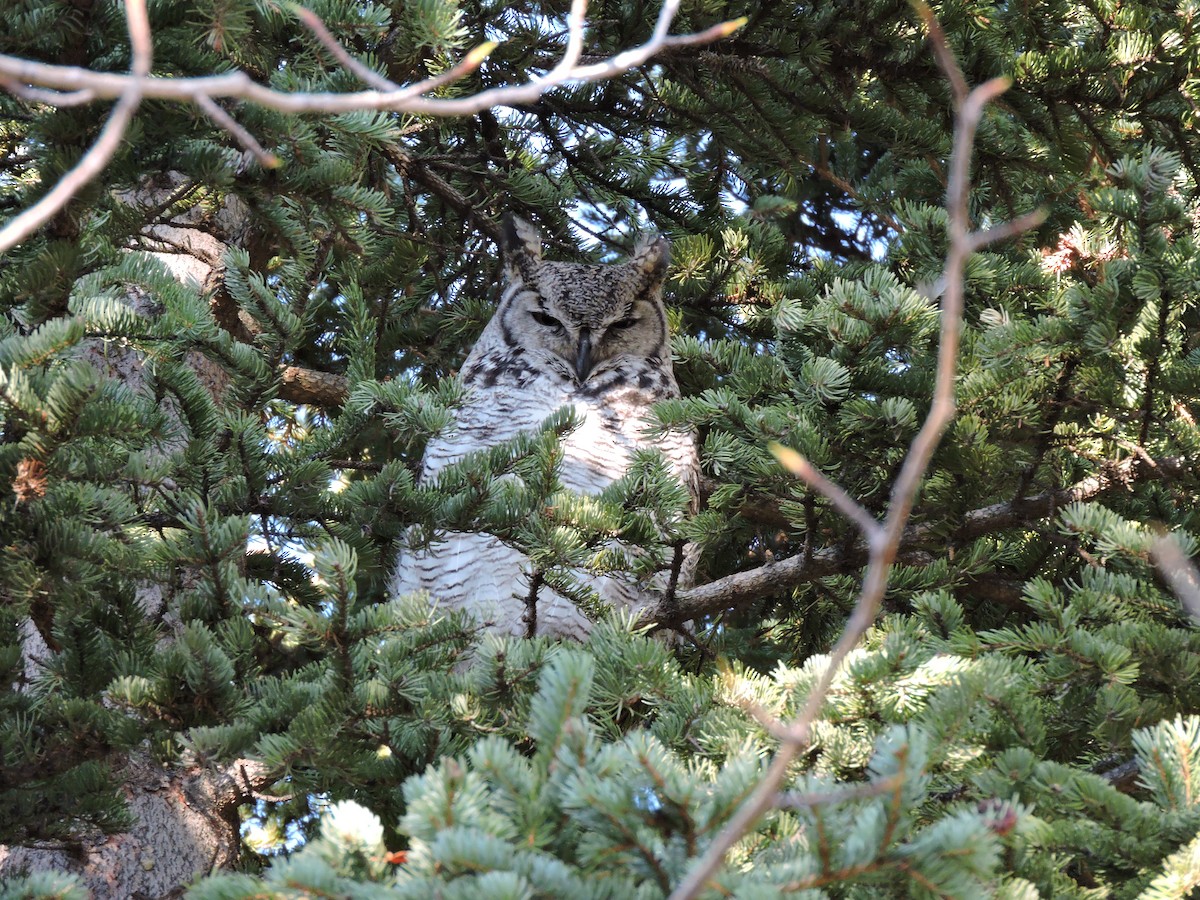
x,y
43,886
929,783
194,552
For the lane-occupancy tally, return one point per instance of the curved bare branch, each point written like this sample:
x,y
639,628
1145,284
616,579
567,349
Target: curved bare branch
x,y
96,158
882,547
23,76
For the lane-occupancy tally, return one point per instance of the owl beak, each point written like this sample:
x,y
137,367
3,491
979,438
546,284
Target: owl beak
x,y
583,361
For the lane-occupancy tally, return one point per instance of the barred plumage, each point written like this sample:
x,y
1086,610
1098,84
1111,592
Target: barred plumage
x,y
594,337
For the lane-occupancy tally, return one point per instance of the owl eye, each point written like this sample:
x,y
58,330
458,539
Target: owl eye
x,y
621,324
542,319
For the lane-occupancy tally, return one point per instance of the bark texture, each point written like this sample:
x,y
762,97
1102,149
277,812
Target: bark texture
x,y
186,825
185,818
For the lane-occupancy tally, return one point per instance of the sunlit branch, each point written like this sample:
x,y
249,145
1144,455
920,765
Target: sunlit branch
x,y
741,588
884,543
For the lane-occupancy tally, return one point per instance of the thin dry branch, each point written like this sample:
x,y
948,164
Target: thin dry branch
x,y
834,493
96,158
50,98
882,548
106,85
364,74
265,158
74,84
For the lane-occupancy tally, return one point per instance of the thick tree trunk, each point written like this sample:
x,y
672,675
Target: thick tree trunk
x,y
185,818
185,826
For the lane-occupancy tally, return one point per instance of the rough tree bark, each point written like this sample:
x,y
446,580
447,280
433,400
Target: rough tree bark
x,y
186,825
185,818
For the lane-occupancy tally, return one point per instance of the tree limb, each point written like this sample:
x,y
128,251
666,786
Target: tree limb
x,y
299,385
741,588
883,542
24,76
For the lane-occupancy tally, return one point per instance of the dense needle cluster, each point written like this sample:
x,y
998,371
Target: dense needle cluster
x,y
220,386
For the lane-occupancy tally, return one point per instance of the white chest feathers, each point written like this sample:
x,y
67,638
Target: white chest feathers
x,y
592,338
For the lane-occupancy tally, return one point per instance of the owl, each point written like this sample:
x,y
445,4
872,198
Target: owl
x,y
590,337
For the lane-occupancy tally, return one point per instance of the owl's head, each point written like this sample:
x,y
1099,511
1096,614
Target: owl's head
x,y
588,316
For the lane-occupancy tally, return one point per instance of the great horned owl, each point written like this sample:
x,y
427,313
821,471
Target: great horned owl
x,y
592,337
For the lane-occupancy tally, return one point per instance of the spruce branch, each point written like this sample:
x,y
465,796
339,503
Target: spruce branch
x,y
741,588
884,541
71,85
834,493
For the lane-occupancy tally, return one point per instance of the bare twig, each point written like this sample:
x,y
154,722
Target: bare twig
x,y
882,548
843,502
942,52
108,85
211,108
50,98
338,52
94,161
1006,230
768,721
71,84
575,23
465,66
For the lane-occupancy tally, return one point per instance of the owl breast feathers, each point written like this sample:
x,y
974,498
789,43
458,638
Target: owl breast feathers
x,y
591,337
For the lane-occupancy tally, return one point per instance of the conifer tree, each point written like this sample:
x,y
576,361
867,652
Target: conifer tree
x,y
221,359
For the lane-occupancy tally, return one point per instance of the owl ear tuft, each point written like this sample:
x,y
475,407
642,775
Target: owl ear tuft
x,y
652,256
522,245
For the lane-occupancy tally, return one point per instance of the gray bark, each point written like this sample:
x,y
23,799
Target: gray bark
x,y
185,817
186,825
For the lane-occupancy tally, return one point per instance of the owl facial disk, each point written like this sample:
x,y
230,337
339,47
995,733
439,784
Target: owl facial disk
x,y
585,318
584,348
